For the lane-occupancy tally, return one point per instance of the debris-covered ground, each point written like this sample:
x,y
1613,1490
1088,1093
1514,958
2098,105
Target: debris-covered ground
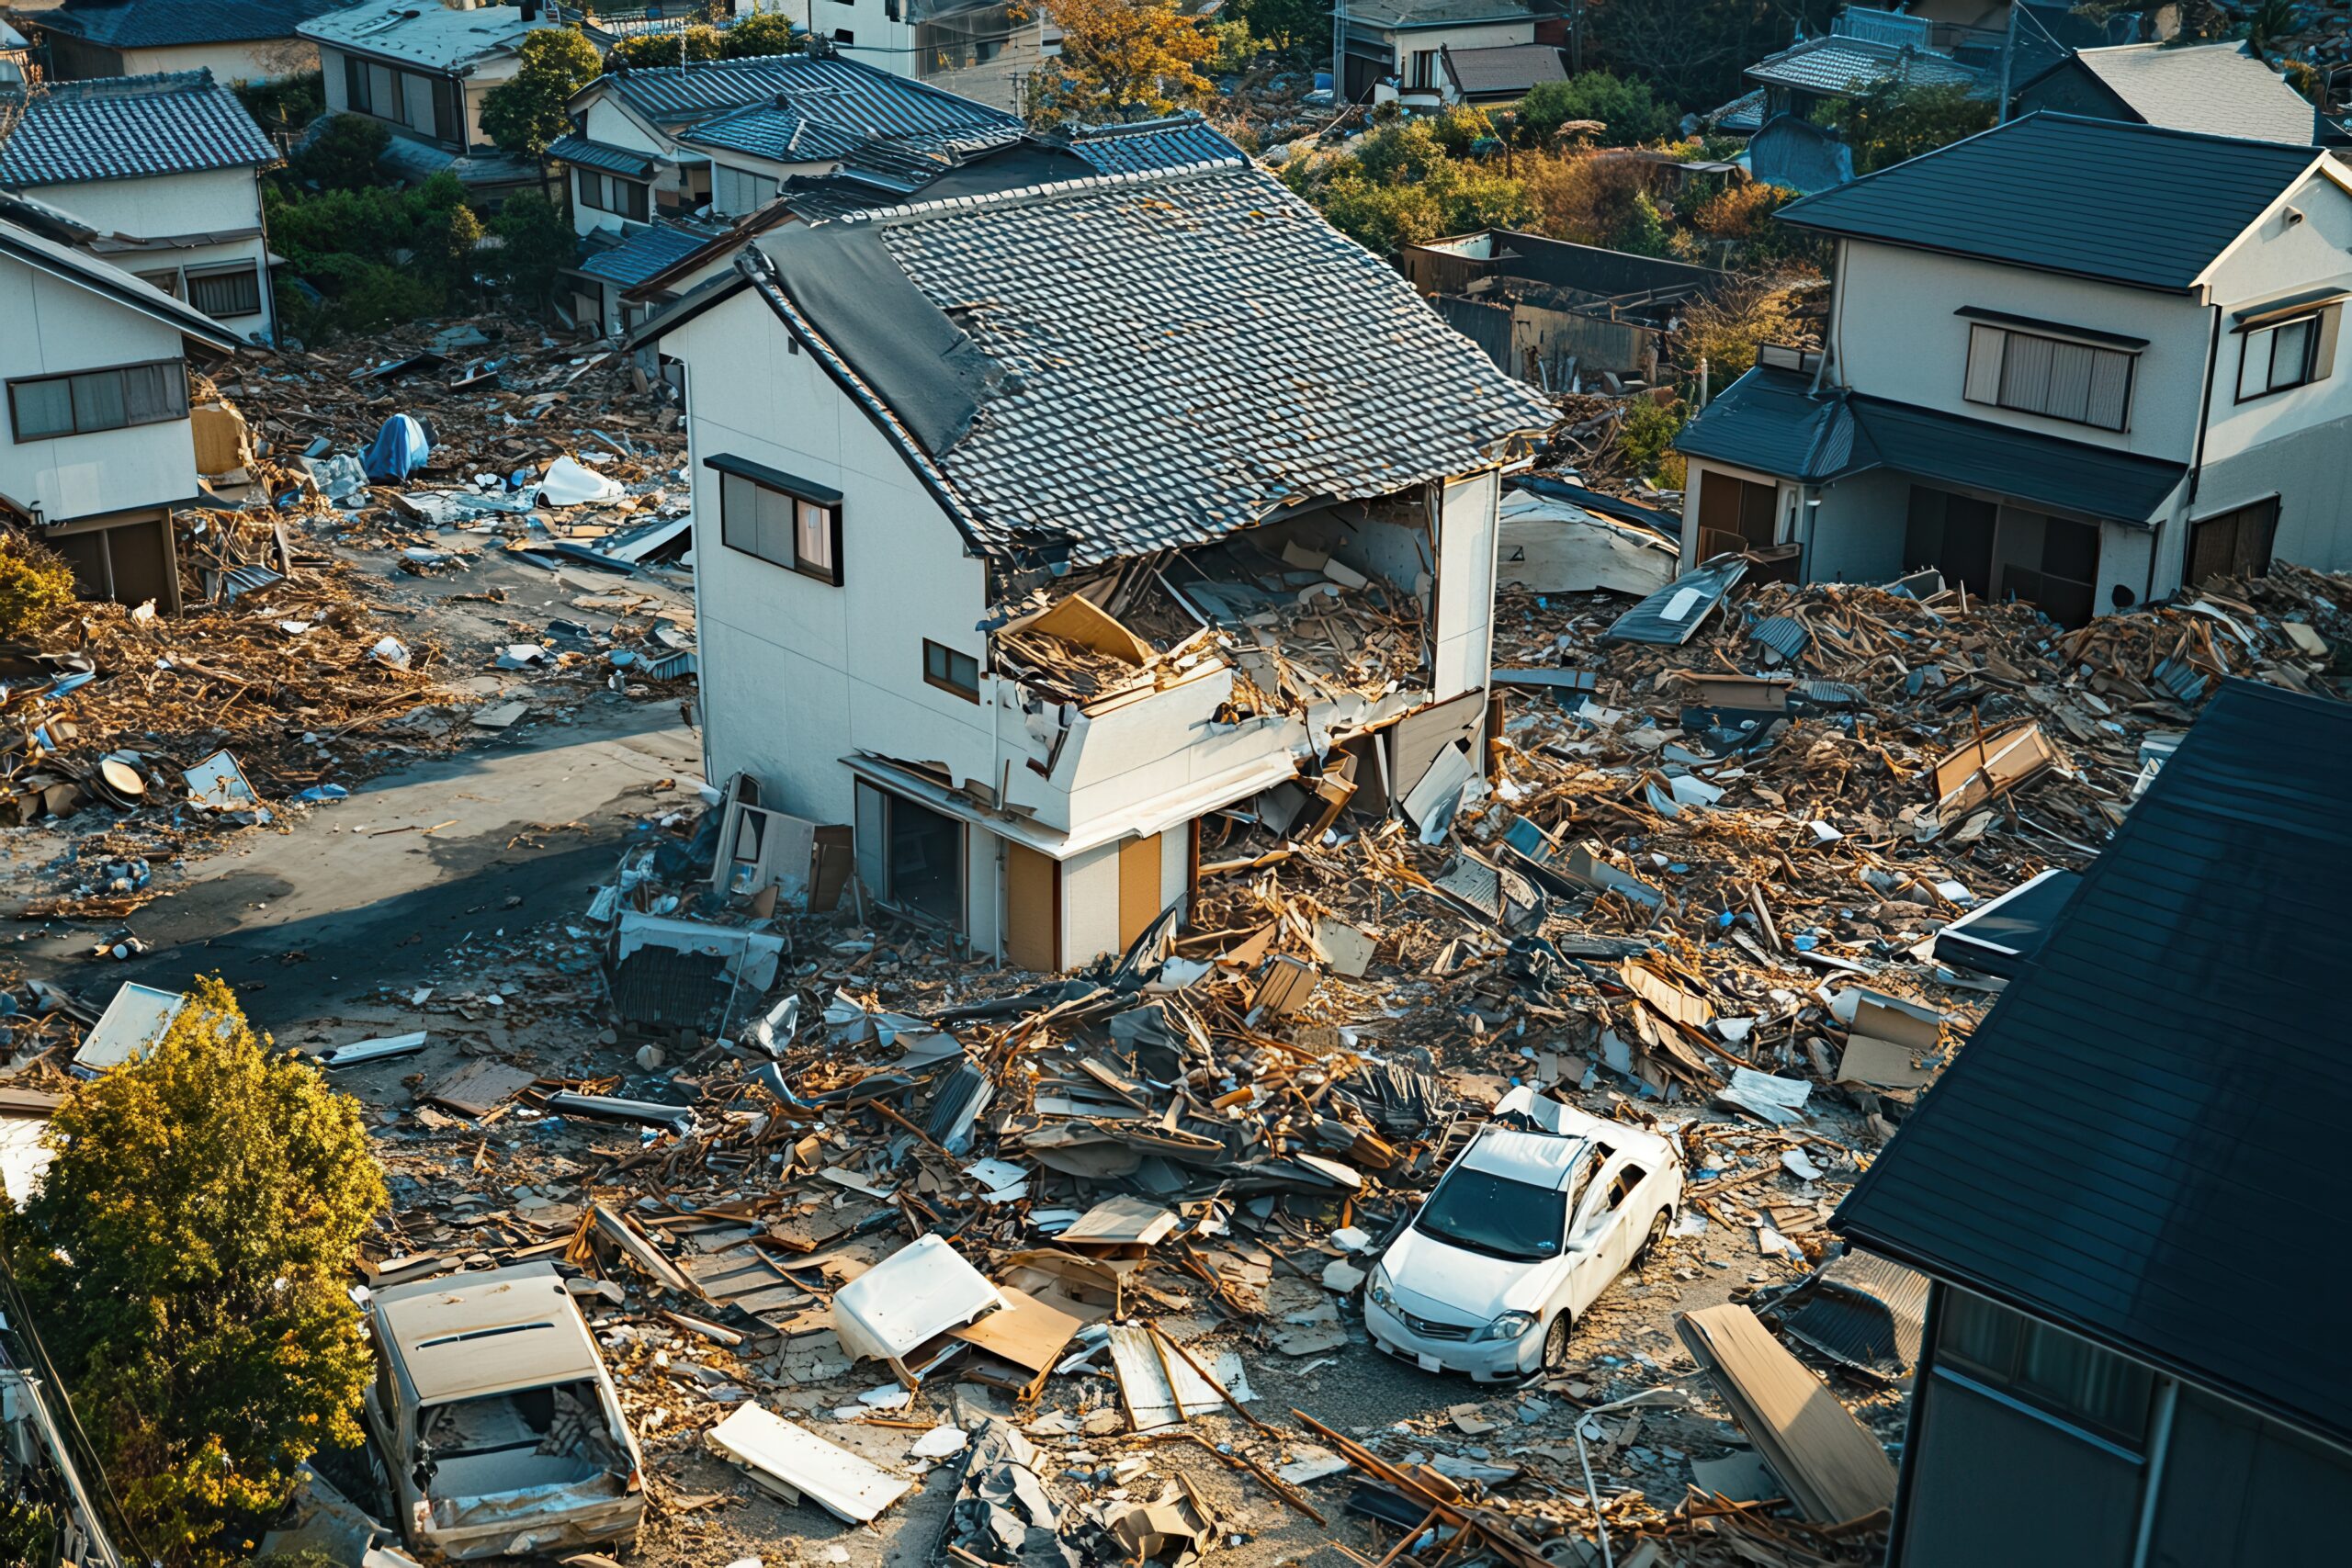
x,y
1695,891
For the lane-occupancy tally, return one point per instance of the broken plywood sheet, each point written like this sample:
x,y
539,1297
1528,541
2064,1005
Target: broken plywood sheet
x,y
1160,1387
1123,1221
1989,766
1027,1336
796,1464
479,1087
1077,619
1834,1468
1881,1064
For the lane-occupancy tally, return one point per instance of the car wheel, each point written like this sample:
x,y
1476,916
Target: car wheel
x,y
1658,1224
1555,1343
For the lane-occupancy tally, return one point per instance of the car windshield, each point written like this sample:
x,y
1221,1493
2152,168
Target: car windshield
x,y
1496,1215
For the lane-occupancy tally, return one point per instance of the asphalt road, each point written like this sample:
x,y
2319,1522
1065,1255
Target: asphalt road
x,y
375,889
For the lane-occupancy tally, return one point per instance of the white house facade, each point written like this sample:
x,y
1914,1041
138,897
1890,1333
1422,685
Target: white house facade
x,y
897,498
97,448
2082,362
167,169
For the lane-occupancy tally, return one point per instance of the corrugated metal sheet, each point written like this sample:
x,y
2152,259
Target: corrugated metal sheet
x,y
1673,613
2143,1142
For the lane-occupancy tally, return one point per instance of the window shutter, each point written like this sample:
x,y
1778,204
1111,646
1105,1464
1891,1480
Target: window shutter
x,y
2323,357
1984,364
775,527
2070,380
2111,391
2025,372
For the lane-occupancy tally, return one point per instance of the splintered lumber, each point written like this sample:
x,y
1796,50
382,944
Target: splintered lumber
x,y
639,1250
1436,1494
1834,1469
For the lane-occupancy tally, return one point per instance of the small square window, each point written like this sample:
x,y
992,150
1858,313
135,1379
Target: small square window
x,y
951,672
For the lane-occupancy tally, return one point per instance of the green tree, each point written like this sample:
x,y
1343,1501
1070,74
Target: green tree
x,y
526,112
769,32
342,157
1902,122
683,47
1298,30
535,243
1121,60
35,584
1643,229
1630,112
188,1261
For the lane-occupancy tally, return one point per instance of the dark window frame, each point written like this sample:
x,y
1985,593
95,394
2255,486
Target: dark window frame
x,y
800,492
591,184
945,679
245,272
2267,333
178,383
2010,1377
2090,342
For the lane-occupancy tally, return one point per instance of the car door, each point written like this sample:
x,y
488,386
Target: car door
x,y
1589,1266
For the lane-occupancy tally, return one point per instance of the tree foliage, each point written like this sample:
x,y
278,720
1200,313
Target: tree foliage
x,y
535,245
1298,30
1901,122
188,1259
684,46
35,584
1121,60
378,255
769,32
344,156
525,112
1726,328
1402,186
1628,108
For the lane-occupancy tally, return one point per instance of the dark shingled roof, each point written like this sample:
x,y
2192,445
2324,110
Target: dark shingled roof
x,y
644,252
2103,199
2141,1143
1161,359
164,24
1768,420
1506,68
581,153
123,127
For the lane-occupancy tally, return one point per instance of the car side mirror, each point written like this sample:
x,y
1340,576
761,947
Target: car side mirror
x,y
426,1469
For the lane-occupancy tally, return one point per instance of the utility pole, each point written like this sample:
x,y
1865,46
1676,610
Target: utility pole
x,y
1338,54
2009,56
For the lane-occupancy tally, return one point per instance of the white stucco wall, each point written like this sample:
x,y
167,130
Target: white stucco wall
x,y
798,673
2282,259
1894,335
206,202
261,60
57,327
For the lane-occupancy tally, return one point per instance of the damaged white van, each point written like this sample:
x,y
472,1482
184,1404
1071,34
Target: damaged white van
x,y
496,1419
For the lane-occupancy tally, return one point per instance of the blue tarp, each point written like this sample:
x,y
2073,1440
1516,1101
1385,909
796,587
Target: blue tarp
x,y
400,450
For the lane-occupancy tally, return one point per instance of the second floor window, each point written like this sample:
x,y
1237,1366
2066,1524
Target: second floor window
x,y
224,292
99,400
792,522
608,193
2082,383
2283,355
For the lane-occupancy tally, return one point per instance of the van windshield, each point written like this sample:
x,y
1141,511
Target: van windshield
x,y
1496,1215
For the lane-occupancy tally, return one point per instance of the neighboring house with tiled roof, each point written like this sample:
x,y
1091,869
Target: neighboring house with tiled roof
x,y
168,170
1400,44
421,68
650,145
914,425
97,450
1814,71
2222,89
2082,362
237,40
1501,75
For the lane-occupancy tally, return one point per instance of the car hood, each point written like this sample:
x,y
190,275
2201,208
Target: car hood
x,y
1435,1279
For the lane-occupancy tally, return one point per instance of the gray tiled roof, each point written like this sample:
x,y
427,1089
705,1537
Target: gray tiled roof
x,y
122,127
1169,143
643,252
164,24
2159,1062
1443,13
832,90
2217,88
1852,64
1175,355
765,132
2135,204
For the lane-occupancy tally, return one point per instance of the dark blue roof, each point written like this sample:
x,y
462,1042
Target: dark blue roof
x,y
163,24
764,130
2135,204
581,153
1172,143
1768,420
2141,1142
122,127
832,90
643,254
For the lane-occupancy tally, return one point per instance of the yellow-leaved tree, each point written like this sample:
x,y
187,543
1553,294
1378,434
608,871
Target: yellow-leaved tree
x,y
1121,60
188,1263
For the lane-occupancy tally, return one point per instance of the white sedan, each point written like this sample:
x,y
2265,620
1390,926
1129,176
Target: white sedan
x,y
1522,1233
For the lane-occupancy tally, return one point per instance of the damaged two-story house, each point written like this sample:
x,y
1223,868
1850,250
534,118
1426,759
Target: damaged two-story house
x,y
2080,362
1051,536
